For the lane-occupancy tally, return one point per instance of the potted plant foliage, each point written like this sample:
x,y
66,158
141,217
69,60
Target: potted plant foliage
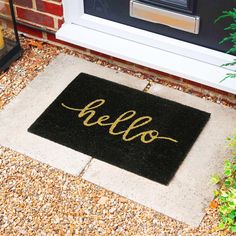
x,y
231,38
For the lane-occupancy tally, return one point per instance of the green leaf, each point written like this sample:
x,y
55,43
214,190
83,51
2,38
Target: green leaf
x,y
216,193
215,179
230,221
222,199
231,215
224,219
228,172
233,228
224,209
227,193
234,167
228,183
231,28
231,50
227,164
229,64
221,226
224,195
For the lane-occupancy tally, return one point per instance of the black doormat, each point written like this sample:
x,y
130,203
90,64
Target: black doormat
x,y
139,132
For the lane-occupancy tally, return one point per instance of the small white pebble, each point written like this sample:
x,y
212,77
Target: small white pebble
x,y
22,231
112,210
102,200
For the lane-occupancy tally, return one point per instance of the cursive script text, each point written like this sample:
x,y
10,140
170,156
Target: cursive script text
x,y
89,112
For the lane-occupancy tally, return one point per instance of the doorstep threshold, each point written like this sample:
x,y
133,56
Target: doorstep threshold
x,y
171,63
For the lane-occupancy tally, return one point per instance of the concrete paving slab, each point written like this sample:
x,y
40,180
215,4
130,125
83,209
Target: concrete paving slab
x,y
190,192
16,118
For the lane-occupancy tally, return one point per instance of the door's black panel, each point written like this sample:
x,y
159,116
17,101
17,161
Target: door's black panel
x,y
209,36
179,5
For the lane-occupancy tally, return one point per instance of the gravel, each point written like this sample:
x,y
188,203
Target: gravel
x,y
36,199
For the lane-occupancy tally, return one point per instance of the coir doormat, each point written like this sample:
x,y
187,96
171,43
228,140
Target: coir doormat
x,y
147,135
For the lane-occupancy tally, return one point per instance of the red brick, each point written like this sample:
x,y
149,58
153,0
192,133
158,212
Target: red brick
x,y
220,92
29,31
24,3
157,72
141,67
49,7
60,22
55,0
193,83
35,17
215,90
100,54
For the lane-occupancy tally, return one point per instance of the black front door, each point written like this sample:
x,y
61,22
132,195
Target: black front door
x,y
188,20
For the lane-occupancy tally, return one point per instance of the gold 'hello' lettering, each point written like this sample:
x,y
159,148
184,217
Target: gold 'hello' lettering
x,y
89,112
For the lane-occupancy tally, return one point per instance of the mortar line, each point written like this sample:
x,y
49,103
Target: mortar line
x,y
85,168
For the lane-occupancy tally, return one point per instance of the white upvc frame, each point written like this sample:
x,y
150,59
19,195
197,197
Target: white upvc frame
x,y
75,16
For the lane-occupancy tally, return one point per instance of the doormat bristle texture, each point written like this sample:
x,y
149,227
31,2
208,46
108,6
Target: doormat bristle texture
x,y
144,134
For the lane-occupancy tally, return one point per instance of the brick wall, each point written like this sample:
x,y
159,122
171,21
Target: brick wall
x,y
44,14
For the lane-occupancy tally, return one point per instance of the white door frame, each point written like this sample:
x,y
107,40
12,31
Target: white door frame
x,y
77,22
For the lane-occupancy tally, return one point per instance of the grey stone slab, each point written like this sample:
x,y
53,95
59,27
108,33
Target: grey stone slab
x,y
36,97
190,191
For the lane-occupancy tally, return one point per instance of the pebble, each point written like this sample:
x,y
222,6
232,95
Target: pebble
x,y
102,200
112,210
